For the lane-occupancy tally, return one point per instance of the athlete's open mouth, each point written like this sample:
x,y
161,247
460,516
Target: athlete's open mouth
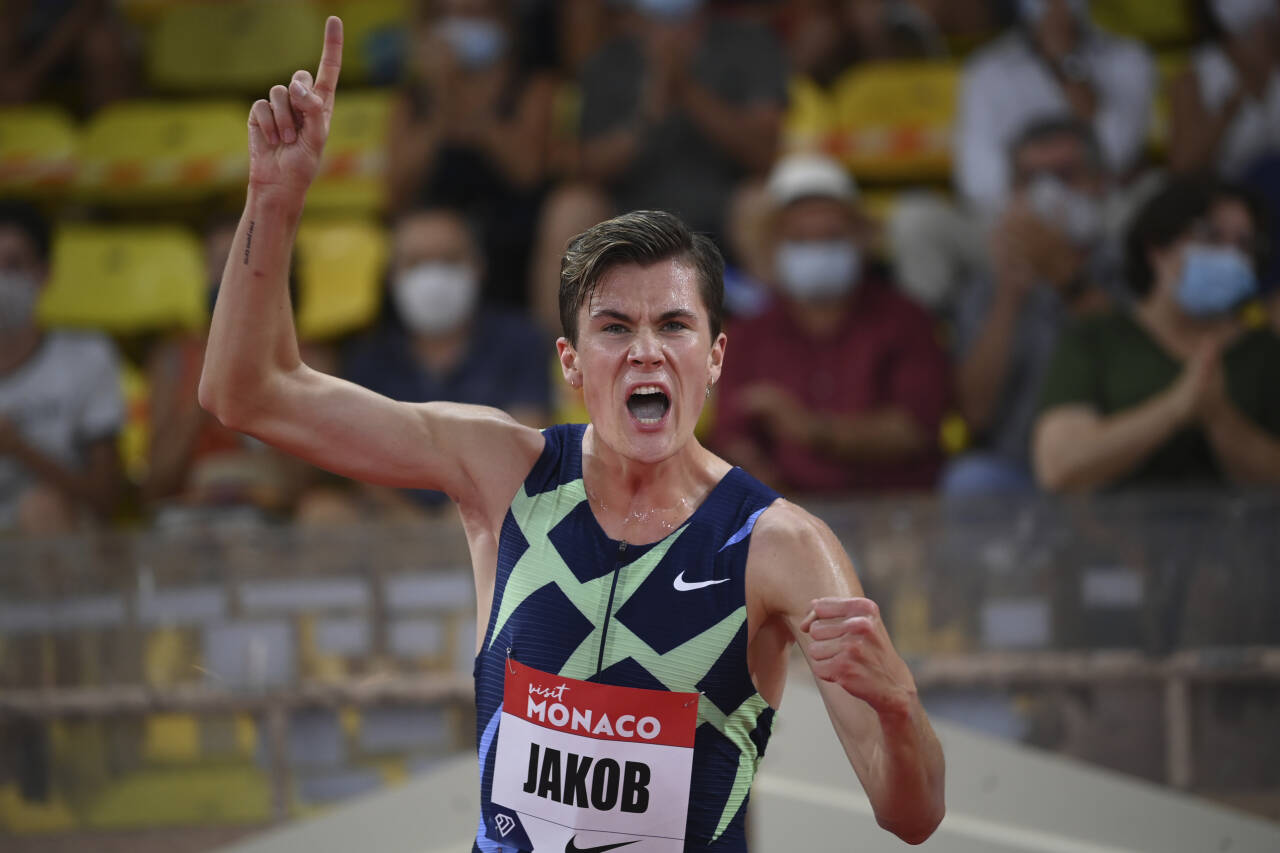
x,y
648,404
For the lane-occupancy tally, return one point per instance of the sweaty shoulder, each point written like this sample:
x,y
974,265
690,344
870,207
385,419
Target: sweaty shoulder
x,y
795,557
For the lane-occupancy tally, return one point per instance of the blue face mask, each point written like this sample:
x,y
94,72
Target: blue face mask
x,y
476,42
1214,280
818,270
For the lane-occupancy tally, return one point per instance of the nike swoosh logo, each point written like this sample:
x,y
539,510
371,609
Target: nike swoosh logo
x,y
683,585
572,846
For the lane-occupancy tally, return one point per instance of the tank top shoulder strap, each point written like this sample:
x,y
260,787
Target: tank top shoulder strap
x,y
561,459
738,504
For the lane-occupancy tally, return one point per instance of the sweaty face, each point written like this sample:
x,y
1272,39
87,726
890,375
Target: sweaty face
x,y
644,358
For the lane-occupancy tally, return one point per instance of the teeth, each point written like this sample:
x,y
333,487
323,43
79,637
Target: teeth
x,y
648,389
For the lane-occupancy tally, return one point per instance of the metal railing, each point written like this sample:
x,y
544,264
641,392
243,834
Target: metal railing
x,y
1067,599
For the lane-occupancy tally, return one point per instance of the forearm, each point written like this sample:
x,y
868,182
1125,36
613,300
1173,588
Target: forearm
x,y
169,459
1248,453
1196,133
982,372
252,342
69,30
409,157
749,136
520,153
94,487
1086,458
606,156
907,782
888,433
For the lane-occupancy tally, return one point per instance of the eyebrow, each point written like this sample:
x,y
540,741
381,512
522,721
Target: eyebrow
x,y
673,314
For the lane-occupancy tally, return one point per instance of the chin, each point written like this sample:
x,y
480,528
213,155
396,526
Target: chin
x,y
647,442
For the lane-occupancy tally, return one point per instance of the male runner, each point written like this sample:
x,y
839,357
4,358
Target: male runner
x,y
636,596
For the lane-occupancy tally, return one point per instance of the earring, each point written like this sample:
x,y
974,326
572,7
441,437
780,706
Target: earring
x,y
709,384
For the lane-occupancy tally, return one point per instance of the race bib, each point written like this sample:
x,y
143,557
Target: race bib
x,y
587,767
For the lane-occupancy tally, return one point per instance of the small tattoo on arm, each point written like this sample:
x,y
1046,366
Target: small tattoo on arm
x,y
248,242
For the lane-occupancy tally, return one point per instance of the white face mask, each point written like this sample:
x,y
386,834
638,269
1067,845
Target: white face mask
x,y
1073,213
19,293
818,270
435,297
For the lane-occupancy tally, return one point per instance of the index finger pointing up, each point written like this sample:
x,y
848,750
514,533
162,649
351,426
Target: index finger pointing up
x,y
330,59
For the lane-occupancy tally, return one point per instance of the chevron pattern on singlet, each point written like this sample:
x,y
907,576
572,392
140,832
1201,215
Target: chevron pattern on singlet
x,y
569,600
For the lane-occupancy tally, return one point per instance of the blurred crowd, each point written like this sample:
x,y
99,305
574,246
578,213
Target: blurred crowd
x,y
1070,314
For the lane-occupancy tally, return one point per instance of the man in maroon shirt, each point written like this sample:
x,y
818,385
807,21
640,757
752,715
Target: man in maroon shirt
x,y
839,386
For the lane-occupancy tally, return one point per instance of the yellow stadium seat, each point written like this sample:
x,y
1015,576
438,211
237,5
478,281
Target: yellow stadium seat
x,y
135,436
151,150
171,739
1156,23
21,816
352,176
340,269
147,13
240,46
895,120
125,279
37,149
811,117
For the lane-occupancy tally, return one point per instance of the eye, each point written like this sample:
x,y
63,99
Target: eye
x,y
614,328
674,326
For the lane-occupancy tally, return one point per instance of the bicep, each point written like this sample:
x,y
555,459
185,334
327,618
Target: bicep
x,y
357,433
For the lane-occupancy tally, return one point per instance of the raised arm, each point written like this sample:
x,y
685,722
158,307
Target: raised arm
x,y
254,379
806,579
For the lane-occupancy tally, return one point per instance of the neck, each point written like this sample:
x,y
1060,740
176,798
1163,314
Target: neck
x,y
17,347
441,353
1180,331
639,501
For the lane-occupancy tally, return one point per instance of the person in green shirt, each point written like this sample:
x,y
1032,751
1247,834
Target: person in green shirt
x,y
1179,390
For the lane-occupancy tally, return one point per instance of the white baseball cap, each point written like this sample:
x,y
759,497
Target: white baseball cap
x,y
809,175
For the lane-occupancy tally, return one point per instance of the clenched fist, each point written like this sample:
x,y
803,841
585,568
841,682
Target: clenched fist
x,y
851,648
287,131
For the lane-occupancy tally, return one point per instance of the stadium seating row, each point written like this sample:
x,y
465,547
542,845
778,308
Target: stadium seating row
x,y
147,151
129,279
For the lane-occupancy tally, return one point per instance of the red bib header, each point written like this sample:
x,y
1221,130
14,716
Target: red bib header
x,y
600,711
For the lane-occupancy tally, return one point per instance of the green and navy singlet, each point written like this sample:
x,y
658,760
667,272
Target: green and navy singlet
x,y
671,616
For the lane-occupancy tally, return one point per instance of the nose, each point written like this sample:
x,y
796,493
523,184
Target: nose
x,y
646,350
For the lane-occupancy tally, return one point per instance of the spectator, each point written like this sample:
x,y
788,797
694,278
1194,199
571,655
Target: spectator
x,y
1046,261
471,130
437,343
1226,104
83,43
1054,62
1178,392
676,112
198,469
60,401
840,385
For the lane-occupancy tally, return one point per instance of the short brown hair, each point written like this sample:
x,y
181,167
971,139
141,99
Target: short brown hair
x,y
641,237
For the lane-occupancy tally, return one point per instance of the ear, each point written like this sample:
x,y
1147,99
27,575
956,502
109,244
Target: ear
x,y
715,358
569,362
